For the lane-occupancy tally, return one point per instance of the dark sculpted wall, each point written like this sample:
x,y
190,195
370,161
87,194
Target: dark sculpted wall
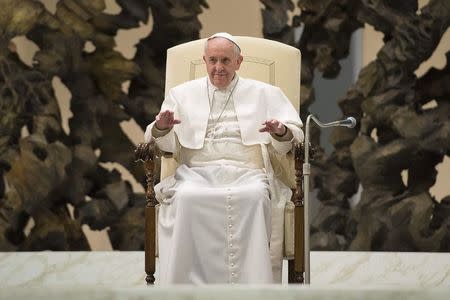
x,y
389,98
48,169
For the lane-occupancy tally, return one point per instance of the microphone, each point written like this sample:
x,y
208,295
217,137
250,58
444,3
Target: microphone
x,y
350,122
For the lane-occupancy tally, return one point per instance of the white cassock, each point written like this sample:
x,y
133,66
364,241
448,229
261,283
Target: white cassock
x,y
221,214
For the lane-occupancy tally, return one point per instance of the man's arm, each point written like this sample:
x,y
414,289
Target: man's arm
x,y
277,130
280,133
164,122
165,139
280,109
286,137
157,133
161,128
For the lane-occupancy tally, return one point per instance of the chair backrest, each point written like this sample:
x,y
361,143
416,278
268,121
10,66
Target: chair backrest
x,y
264,60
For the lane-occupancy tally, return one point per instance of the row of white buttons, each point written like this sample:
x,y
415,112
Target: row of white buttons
x,y
230,238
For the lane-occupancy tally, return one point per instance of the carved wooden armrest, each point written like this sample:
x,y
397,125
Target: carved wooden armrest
x,y
145,151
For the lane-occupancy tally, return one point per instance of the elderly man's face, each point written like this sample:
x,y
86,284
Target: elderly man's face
x,y
222,61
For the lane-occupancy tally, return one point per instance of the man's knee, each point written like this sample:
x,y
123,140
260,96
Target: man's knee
x,y
257,192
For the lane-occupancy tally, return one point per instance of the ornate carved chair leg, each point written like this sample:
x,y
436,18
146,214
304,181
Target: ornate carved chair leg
x,y
297,267
150,224
150,227
146,153
299,246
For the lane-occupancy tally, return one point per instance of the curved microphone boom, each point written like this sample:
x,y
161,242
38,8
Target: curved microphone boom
x,y
349,122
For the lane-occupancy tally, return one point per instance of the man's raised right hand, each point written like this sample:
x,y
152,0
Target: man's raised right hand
x,y
165,120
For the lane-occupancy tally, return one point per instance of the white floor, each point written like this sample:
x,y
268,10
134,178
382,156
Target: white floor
x,y
120,275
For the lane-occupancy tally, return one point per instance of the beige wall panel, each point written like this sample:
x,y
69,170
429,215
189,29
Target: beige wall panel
x,y
236,17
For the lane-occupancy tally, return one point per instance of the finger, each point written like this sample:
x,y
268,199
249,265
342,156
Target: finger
x,y
168,117
166,113
173,122
160,117
271,127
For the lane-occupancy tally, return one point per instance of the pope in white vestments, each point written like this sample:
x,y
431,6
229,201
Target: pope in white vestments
x,y
221,213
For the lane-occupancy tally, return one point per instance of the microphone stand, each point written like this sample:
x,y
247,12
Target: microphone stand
x,y
349,122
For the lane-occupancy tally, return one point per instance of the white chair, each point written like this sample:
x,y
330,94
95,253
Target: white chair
x,y
265,60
